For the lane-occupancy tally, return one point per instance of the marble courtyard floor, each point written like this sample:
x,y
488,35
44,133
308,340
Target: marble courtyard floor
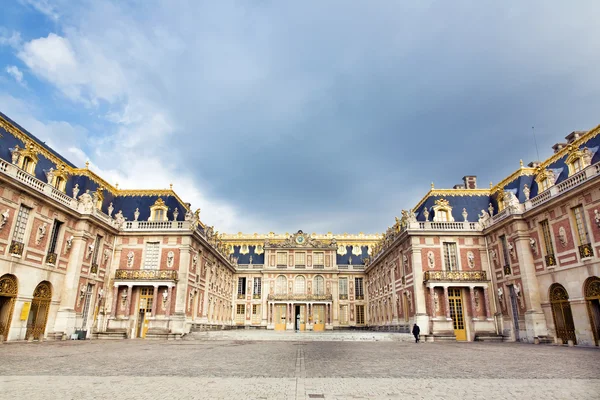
x,y
263,369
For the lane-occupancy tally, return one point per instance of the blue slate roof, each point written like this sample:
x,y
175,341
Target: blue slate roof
x,y
473,204
356,260
245,258
11,141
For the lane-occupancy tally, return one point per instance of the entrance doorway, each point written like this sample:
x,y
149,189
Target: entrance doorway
x,y
8,296
38,313
144,311
300,318
280,317
86,306
561,311
514,306
456,313
319,317
592,298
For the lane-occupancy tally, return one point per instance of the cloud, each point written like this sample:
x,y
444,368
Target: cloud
x,y
12,39
44,7
320,116
81,73
13,71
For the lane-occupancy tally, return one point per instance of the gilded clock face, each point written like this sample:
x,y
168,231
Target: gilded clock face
x,y
299,239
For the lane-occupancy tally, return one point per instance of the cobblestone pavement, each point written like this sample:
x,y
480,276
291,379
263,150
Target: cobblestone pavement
x,y
132,369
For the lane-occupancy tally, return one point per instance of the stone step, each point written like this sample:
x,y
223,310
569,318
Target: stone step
x,y
262,335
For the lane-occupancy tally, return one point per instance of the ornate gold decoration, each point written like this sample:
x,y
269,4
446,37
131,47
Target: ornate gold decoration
x,y
592,288
452,276
301,240
583,155
451,192
145,275
16,248
40,306
442,203
300,297
558,293
8,285
8,288
592,133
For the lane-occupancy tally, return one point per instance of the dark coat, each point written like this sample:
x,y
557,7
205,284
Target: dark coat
x,y
416,330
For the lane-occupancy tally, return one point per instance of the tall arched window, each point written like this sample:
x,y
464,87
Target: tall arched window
x,y
281,285
319,285
300,285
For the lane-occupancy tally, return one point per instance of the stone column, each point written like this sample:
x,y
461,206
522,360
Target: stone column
x,y
128,305
432,300
447,301
486,299
473,309
535,320
170,296
66,316
154,300
115,301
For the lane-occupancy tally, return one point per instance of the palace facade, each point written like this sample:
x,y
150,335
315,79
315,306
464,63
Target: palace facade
x,y
80,257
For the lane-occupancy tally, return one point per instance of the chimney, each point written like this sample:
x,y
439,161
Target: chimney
x,y
558,147
470,181
571,137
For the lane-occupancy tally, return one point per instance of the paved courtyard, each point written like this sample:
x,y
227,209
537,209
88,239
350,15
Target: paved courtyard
x,y
137,369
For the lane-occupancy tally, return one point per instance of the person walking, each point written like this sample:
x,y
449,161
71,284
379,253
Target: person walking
x,y
416,331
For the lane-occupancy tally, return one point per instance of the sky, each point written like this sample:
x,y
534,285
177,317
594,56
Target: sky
x,y
325,116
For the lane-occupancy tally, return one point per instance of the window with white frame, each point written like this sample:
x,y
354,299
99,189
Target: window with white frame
x,y
547,237
21,225
300,258
281,285
358,288
319,285
241,287
442,216
450,260
257,289
319,258
300,285
343,287
281,258
151,255
54,236
582,232
505,252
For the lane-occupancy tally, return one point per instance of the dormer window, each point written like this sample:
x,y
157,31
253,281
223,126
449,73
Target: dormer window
x,y
442,216
26,158
545,179
158,211
59,178
442,212
578,160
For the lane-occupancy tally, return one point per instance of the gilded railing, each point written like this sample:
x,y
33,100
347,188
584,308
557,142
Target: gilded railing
x,y
455,276
146,274
586,250
300,297
51,258
16,248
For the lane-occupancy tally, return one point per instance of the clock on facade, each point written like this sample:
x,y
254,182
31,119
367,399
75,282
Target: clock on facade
x,y
299,239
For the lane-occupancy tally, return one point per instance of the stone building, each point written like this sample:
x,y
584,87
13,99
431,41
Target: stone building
x,y
515,261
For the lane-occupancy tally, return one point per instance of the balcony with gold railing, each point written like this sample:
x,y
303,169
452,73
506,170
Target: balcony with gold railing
x,y
51,258
145,275
16,248
455,276
300,297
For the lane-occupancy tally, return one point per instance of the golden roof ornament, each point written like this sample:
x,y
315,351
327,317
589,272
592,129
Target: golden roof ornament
x,y
442,203
159,203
